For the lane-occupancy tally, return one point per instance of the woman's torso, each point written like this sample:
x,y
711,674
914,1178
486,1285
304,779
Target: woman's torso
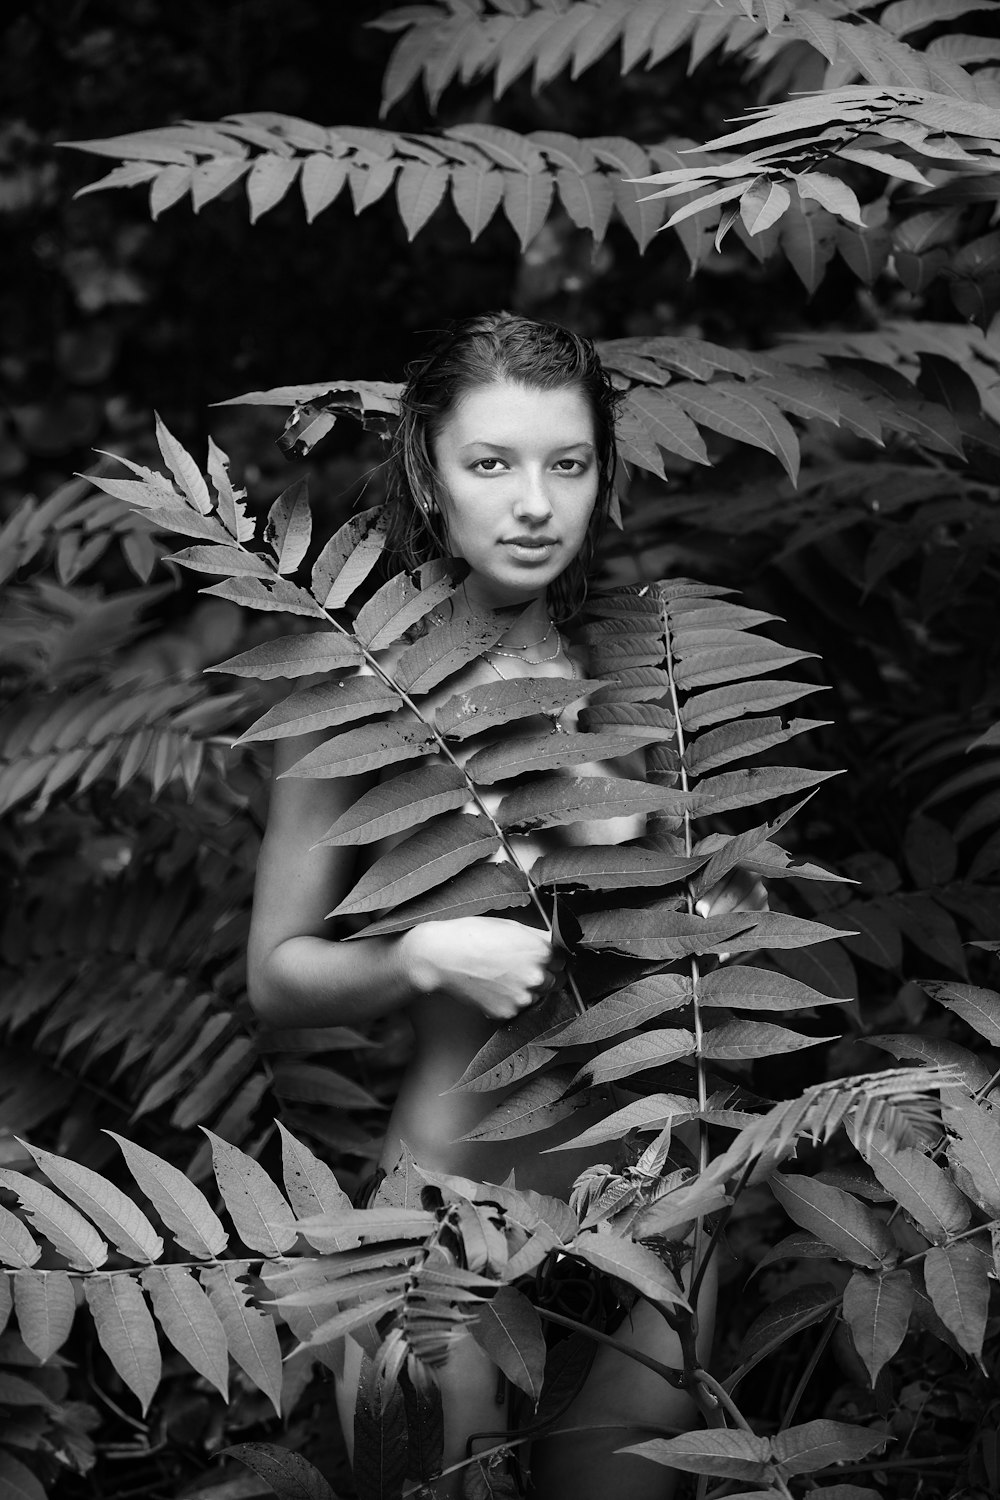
x,y
447,1034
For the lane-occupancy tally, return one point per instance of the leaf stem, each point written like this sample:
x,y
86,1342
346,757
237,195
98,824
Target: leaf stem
x,y
673,1377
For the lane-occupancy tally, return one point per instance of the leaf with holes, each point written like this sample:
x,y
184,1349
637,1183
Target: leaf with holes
x,y
370,747
401,603
288,528
284,1471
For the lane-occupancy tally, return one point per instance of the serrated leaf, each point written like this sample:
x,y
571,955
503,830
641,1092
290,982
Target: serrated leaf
x,y
184,469
65,1229
323,706
527,197
746,988
126,1332
741,850
979,1007
489,704
663,933
268,181
288,528
509,1330
744,737
311,1185
877,1311
419,189
830,193
438,851
344,1230
481,888
626,1009
263,1218
733,1455
181,1205
189,1321
250,1334
441,652
370,747
380,1447
612,867
652,1049
45,1305
587,198
957,1283
742,698
744,1039
348,558
536,1104
267,594
125,1225
836,1218
555,800
17,1248
517,754
708,663
295,656
975,1146
922,1188
322,178
286,1472
400,604
395,805
229,561
763,204
477,194
668,424
817,1445
650,1113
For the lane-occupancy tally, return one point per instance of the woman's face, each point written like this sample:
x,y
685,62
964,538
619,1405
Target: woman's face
x,y
518,483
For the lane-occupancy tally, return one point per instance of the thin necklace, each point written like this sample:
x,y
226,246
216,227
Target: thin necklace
x,y
516,655
526,645
493,651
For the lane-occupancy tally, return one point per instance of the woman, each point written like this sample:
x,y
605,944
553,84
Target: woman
x,y
505,458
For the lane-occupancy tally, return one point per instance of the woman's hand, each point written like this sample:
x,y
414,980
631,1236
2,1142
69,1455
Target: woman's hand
x,y
499,966
740,890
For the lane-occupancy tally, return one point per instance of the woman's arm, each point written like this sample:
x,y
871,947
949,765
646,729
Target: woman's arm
x,y
299,975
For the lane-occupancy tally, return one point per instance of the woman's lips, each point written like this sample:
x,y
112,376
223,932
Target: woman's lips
x,y
536,549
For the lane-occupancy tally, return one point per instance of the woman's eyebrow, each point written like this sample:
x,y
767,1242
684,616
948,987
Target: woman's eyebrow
x,y
512,448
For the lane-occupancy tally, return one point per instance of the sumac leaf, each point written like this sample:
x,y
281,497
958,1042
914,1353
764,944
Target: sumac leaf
x,y
126,1332
877,1310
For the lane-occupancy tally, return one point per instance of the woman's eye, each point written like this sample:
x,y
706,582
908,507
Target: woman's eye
x,y
484,465
571,465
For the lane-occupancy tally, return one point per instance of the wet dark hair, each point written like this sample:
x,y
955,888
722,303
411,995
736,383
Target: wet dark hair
x,y
482,351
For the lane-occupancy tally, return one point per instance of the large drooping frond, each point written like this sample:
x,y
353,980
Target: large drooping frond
x,y
451,41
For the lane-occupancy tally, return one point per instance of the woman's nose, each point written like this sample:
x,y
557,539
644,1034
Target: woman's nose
x,y
532,501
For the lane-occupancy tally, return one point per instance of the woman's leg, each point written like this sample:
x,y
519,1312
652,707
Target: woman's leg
x,y
620,1396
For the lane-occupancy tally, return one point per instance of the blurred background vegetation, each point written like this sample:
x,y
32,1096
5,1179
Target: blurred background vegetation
x,y
123,933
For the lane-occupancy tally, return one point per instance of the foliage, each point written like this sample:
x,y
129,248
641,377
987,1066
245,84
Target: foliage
x,y
872,186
